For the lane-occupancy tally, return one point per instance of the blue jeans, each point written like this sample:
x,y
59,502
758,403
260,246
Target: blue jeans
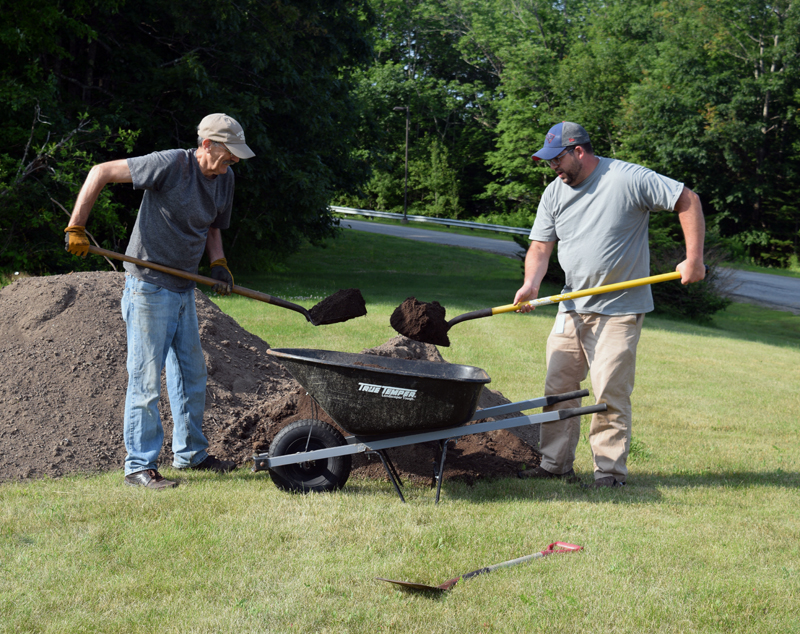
x,y
162,328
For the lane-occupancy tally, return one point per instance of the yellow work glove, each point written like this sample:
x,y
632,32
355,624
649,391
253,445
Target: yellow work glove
x,y
76,241
221,272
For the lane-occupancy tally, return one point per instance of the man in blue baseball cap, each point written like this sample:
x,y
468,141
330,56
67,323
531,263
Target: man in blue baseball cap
x,y
598,210
561,136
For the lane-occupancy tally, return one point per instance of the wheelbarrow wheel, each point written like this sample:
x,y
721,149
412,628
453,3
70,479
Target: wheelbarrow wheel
x,y
327,474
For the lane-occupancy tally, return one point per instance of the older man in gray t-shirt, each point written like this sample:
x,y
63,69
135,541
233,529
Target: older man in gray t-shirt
x,y
180,208
188,196
598,210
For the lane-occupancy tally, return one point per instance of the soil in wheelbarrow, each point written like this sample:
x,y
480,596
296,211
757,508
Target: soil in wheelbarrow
x,y
63,381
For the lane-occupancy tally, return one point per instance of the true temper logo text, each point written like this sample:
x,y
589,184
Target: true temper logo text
x,y
388,392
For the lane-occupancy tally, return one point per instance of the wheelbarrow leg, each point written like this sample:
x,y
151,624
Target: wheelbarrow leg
x,y
439,474
392,467
390,471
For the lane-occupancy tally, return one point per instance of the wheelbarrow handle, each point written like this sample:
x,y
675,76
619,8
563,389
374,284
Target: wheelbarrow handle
x,y
570,412
201,279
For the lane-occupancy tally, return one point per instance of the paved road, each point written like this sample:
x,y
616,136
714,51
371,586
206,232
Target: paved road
x,y
772,291
505,246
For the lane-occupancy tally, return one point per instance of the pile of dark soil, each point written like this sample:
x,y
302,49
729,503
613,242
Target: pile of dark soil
x,y
63,381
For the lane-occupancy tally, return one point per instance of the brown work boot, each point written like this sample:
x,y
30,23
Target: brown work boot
x,y
149,479
543,474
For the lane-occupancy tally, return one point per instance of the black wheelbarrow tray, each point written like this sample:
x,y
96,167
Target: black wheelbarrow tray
x,y
382,403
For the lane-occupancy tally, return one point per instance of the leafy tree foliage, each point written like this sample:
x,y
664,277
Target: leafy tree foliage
x,y
718,109
707,92
418,65
703,91
101,79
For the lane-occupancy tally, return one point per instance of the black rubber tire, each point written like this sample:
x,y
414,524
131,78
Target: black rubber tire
x,y
314,476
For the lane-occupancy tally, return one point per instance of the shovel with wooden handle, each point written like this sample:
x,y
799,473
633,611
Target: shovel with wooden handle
x,y
555,547
348,312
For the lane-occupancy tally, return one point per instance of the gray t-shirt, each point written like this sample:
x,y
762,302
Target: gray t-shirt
x,y
601,229
178,207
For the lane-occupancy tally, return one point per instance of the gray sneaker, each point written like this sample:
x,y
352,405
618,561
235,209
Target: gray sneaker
x,y
149,479
543,474
605,483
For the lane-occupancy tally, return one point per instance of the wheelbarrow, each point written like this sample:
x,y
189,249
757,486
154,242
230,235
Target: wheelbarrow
x,y
383,403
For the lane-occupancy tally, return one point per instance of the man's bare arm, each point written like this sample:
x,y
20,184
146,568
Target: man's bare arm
x,y
536,260
690,215
99,176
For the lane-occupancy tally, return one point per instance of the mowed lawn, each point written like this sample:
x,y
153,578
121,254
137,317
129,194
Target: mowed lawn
x,y
705,537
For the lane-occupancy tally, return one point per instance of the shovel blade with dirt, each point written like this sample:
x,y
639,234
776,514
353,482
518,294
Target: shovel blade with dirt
x,y
425,321
341,306
555,547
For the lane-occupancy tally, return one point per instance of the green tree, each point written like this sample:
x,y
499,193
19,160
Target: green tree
x,y
718,108
522,44
46,151
704,92
436,182
283,69
418,64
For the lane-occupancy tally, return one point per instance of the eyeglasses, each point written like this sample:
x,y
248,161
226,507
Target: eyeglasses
x,y
555,162
224,147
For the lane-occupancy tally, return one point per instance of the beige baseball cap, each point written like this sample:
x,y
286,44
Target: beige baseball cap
x,y
224,129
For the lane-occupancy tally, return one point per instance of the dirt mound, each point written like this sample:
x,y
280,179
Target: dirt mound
x,y
63,381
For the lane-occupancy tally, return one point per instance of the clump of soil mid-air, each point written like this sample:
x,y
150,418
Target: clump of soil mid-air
x,y
341,306
421,321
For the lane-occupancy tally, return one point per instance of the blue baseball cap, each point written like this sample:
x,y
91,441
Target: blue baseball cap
x,y
559,137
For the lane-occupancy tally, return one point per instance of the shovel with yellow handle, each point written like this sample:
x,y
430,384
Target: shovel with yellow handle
x,y
554,299
429,325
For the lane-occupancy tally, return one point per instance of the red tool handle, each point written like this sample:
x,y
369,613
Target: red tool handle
x,y
564,547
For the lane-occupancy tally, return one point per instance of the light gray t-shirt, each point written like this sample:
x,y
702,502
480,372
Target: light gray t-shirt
x,y
178,207
601,229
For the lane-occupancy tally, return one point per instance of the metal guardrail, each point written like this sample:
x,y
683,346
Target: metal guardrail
x,y
447,222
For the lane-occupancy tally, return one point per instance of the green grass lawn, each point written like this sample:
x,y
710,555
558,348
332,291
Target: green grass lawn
x,y
705,537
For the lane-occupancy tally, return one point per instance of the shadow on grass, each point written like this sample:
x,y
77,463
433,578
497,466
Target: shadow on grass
x,y
640,488
743,322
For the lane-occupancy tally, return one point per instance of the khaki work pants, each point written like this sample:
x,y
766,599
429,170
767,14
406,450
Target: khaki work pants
x,y
605,347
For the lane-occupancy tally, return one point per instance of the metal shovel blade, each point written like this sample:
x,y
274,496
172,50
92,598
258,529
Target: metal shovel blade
x,y
421,586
